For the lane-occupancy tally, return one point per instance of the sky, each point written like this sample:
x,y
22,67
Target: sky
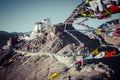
x,y
20,15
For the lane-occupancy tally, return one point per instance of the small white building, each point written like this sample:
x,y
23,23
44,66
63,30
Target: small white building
x,y
46,23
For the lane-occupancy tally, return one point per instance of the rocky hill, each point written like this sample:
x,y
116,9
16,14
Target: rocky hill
x,y
40,63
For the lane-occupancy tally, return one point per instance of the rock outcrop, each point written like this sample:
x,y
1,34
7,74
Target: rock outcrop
x,y
56,39
95,72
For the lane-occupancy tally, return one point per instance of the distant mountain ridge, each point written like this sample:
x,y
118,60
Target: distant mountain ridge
x,y
3,32
4,36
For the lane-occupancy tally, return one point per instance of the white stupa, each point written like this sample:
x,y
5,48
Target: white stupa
x,y
37,30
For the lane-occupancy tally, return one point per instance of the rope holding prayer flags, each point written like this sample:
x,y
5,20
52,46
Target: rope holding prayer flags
x,y
95,31
76,10
85,25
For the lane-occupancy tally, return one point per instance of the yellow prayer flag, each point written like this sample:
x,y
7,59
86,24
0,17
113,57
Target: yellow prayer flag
x,y
11,60
87,1
54,75
98,32
95,52
108,11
